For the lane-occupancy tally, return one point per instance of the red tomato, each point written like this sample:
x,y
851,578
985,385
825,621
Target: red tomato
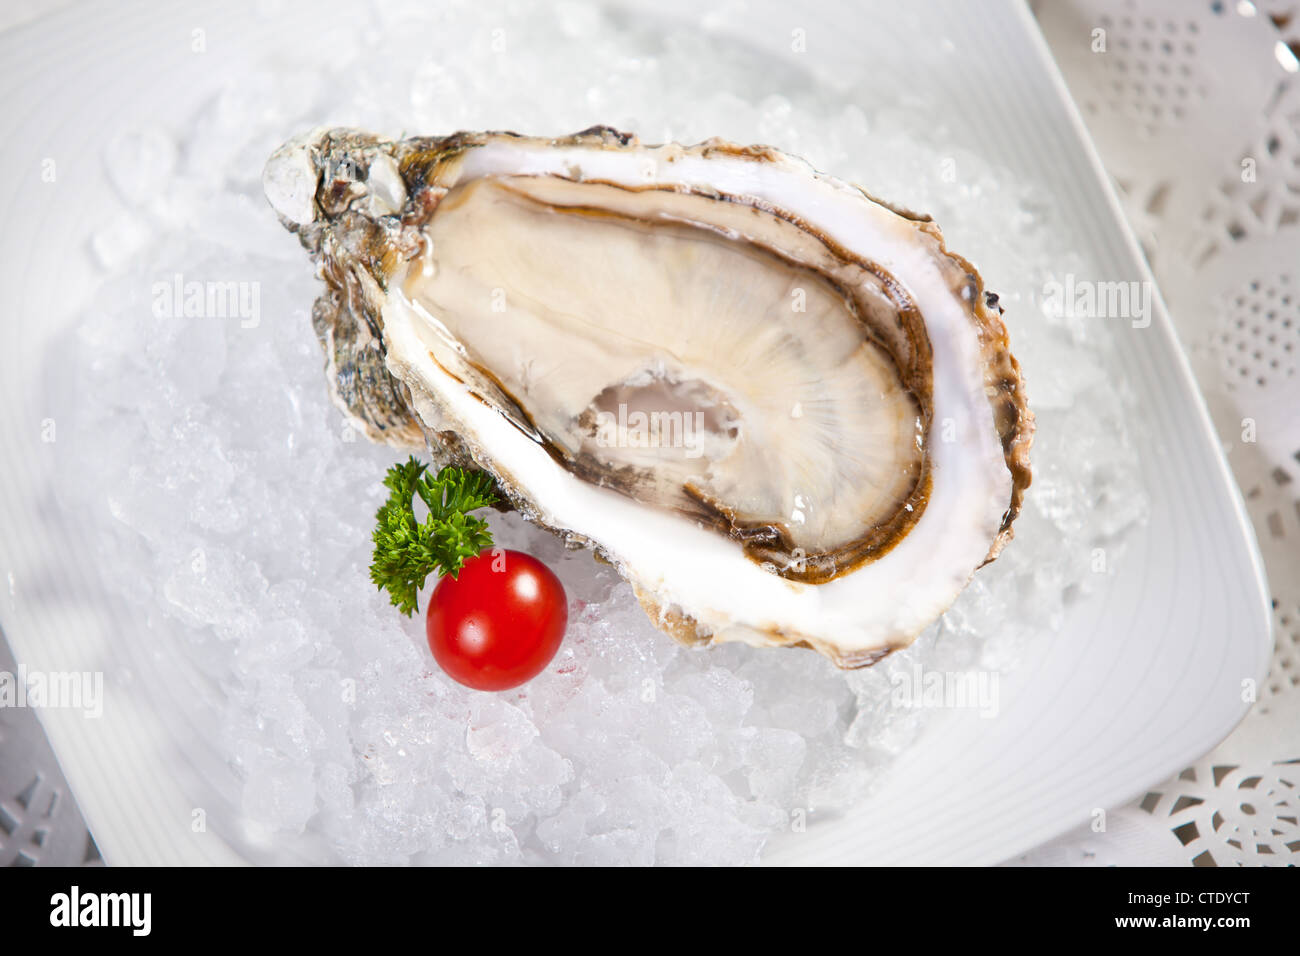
x,y
499,623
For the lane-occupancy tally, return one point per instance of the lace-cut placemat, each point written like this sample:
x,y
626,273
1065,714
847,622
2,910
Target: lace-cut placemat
x,y
40,824
1195,109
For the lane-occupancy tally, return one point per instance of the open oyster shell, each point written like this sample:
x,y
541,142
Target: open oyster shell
x,y
783,410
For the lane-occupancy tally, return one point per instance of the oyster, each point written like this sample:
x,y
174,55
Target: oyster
x,y
782,409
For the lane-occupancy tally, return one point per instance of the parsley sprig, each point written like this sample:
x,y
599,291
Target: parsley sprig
x,y
407,551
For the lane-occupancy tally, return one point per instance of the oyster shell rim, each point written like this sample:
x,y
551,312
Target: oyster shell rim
x,y
386,242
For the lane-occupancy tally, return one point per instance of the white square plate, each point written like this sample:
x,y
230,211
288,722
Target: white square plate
x,y
1145,676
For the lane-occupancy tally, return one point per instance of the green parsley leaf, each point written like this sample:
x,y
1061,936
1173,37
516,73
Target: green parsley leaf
x,y
408,551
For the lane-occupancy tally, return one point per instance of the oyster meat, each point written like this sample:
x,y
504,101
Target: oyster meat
x,y
781,408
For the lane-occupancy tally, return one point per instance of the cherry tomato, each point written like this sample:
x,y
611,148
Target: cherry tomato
x,y
499,623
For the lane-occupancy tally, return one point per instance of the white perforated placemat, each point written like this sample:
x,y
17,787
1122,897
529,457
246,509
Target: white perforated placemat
x,y
40,824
